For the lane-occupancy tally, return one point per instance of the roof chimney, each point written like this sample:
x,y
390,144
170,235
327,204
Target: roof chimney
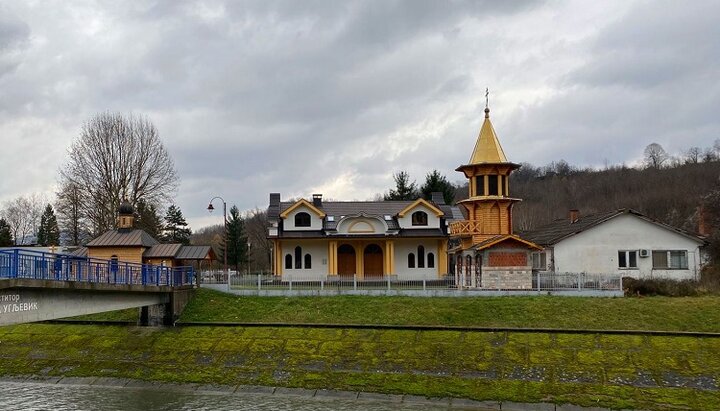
x,y
437,198
574,215
317,200
274,207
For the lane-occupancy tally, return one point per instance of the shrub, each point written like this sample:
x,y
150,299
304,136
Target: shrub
x,y
664,287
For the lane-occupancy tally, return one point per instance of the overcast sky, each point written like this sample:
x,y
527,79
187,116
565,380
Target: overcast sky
x,y
332,97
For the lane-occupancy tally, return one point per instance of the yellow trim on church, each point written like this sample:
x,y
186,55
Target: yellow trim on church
x,y
424,202
302,202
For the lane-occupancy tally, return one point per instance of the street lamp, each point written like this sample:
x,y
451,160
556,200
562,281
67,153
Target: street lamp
x,y
225,252
248,258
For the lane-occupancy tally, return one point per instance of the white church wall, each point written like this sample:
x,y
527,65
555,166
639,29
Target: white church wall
x,y
318,251
406,246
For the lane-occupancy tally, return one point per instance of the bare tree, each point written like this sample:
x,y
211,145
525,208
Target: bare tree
x,y
23,216
693,155
655,156
69,209
118,157
256,225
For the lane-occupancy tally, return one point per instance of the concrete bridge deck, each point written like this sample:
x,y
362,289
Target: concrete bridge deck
x,y
37,286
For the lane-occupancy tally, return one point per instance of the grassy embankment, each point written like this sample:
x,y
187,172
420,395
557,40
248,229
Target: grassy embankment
x,y
656,313
653,313
616,371
619,371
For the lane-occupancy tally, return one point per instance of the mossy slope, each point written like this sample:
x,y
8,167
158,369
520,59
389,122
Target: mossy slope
x,y
600,370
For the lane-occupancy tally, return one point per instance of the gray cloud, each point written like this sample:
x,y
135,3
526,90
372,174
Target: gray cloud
x,y
253,97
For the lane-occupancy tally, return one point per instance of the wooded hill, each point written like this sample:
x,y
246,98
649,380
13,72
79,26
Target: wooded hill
x,y
671,195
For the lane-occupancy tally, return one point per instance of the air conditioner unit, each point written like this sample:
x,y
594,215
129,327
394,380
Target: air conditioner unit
x,y
644,253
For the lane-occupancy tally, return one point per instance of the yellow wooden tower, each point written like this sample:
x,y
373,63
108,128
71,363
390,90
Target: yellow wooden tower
x,y
489,205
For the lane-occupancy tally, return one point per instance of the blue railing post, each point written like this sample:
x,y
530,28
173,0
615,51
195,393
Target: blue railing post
x,y
15,264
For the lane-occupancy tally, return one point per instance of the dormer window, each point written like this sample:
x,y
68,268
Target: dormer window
x,y
419,218
302,220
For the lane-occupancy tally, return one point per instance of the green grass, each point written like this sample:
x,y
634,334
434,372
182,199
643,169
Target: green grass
x,y
129,315
589,370
653,313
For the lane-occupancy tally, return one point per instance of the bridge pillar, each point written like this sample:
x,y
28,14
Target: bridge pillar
x,y
167,313
154,315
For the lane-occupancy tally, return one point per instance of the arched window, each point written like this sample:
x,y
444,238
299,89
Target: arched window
x,y
298,258
288,262
419,218
308,261
302,219
411,260
431,260
468,262
421,256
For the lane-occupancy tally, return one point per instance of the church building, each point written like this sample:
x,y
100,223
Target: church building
x,y
405,240
133,245
484,251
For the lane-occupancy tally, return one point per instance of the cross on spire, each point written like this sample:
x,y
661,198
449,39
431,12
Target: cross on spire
x,y
487,102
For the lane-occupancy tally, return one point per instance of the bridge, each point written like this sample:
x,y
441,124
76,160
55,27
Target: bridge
x,y
39,286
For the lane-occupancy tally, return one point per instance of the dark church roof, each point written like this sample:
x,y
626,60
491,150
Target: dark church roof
x,y
124,238
162,250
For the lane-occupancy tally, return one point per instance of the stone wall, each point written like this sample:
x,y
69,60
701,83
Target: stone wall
x,y
510,278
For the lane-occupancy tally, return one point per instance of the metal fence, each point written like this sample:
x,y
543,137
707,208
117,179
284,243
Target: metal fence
x,y
19,263
549,281
541,282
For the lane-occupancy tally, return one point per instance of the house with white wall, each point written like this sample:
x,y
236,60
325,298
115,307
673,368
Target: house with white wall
x,y
319,239
623,242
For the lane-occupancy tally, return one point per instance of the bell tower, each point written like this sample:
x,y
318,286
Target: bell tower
x,y
489,205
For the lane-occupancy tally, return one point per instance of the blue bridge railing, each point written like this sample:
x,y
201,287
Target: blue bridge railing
x,y
19,263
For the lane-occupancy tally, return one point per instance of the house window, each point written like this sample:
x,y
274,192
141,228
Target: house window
x,y
670,260
288,262
302,220
419,218
308,261
298,258
492,185
431,260
421,256
539,261
627,259
411,260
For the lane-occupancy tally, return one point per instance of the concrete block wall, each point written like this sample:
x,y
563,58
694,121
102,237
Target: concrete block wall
x,y
510,278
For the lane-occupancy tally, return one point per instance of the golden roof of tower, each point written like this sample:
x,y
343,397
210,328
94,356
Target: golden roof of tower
x,y
487,148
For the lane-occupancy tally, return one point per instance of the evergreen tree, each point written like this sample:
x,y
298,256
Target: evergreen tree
x,y
176,229
436,182
236,240
148,219
404,189
49,231
6,239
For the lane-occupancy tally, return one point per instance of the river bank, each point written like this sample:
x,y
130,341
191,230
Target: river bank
x,y
613,371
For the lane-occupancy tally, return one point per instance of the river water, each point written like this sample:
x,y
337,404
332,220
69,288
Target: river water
x,y
36,397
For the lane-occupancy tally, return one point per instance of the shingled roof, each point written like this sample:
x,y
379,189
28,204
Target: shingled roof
x,y
561,228
124,237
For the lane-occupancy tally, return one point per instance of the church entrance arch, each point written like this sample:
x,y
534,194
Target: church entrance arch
x,y
346,260
373,261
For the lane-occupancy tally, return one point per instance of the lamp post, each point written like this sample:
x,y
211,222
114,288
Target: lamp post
x,y
210,209
248,258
